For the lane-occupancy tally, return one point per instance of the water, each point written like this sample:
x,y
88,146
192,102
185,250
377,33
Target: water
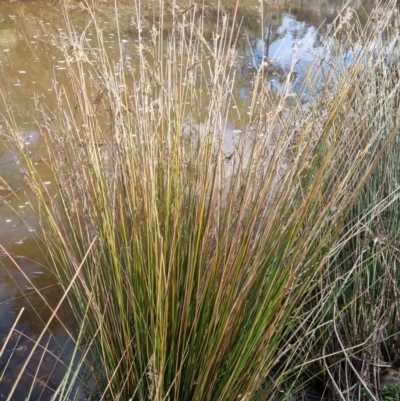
x,y
30,64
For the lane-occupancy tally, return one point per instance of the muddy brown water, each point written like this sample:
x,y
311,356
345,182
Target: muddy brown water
x,y
29,66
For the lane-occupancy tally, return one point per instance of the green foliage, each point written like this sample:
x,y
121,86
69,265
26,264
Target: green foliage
x,y
389,393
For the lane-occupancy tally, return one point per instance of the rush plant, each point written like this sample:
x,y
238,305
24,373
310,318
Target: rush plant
x,y
213,270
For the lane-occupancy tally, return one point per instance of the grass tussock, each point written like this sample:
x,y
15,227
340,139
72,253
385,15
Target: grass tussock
x,y
223,271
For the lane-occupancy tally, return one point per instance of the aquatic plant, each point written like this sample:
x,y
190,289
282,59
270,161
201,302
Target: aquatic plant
x,y
201,272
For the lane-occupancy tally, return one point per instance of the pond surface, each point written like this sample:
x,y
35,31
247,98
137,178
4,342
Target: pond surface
x,y
30,64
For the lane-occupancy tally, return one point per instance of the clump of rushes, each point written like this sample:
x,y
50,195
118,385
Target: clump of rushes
x,y
214,276
358,329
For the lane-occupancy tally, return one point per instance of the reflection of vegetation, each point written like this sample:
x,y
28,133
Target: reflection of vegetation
x,y
201,275
314,13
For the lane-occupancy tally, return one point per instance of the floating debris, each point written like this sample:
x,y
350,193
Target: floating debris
x,y
8,221
47,183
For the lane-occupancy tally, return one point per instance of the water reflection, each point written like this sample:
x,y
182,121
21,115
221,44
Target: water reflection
x,y
30,64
